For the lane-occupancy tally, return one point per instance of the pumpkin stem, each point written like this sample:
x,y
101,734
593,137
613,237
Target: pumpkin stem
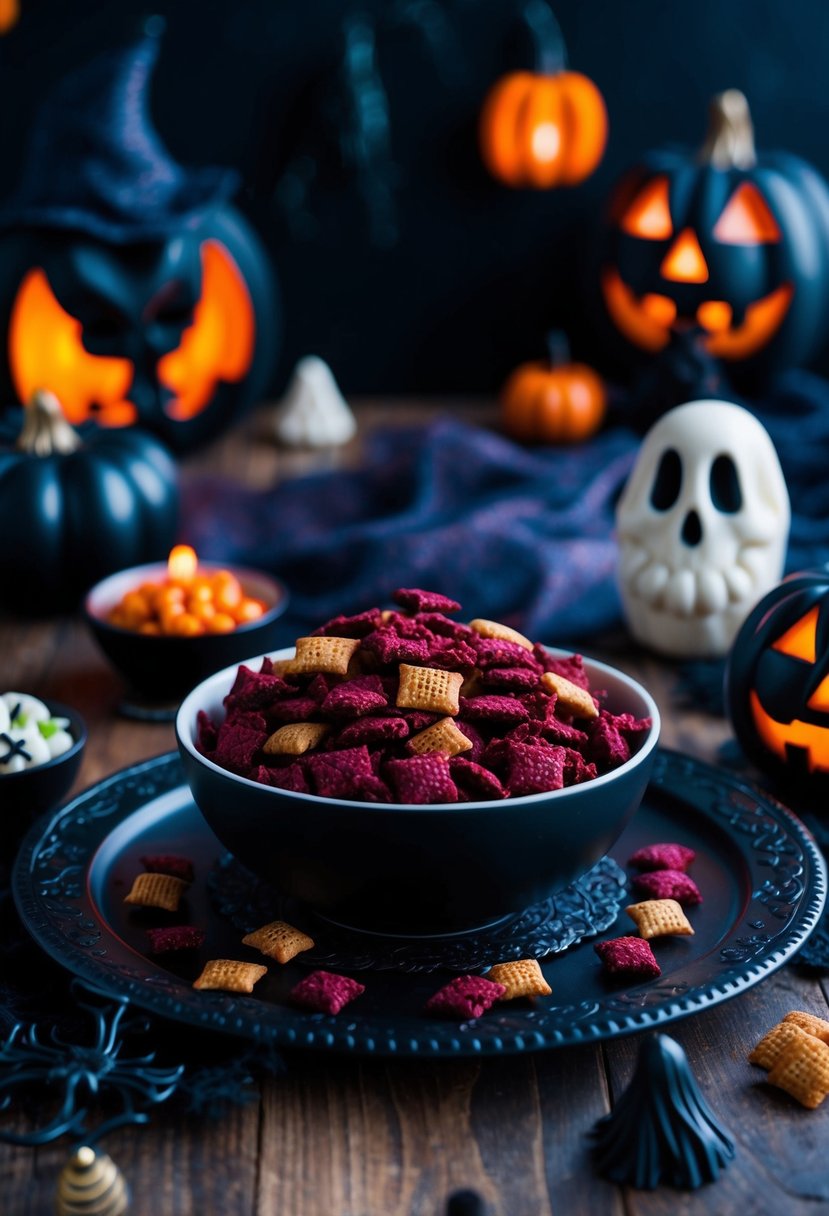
x,y
558,347
45,430
730,141
548,40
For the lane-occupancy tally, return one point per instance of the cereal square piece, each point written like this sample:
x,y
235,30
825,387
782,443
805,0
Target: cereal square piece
x,y
802,1069
662,857
156,891
810,1023
517,678
628,956
772,1045
414,599
295,738
466,996
342,774
176,937
362,695
389,647
292,777
521,978
325,992
573,698
426,688
238,741
668,884
494,629
494,708
659,918
166,863
279,940
329,654
443,736
372,729
533,768
497,652
229,975
474,780
422,779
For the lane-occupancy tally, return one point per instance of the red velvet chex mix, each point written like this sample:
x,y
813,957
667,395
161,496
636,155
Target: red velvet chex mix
x,y
175,937
662,857
466,996
668,884
325,992
394,675
166,863
628,956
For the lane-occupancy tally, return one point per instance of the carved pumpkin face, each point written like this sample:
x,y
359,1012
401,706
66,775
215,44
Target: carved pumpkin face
x,y
778,680
174,335
738,250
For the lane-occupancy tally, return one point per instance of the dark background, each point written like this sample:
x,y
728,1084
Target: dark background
x,y
475,273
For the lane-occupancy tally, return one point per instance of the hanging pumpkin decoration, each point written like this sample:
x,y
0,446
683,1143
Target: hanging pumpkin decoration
x,y
546,127
130,287
553,400
74,508
727,240
777,682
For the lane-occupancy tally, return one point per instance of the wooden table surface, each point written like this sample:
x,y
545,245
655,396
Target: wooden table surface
x,y
346,1136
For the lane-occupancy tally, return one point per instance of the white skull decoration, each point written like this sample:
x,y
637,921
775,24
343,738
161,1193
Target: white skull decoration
x,y
702,525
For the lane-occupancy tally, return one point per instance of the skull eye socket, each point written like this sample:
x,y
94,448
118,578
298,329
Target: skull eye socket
x,y
667,482
726,494
800,641
746,219
649,215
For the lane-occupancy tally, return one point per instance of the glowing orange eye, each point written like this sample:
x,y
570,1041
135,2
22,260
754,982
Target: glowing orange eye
x,y
746,219
649,215
685,262
800,642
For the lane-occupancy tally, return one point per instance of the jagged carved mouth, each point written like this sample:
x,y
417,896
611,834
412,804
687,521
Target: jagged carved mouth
x,y
646,319
780,736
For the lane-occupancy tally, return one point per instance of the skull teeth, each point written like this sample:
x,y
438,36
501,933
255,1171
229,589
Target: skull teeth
x,y
685,592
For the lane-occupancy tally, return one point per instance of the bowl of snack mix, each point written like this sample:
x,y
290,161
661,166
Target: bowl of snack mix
x,y
41,746
163,632
401,771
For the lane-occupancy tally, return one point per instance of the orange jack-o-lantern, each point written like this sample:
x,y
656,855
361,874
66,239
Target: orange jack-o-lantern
x,y
726,241
777,681
546,127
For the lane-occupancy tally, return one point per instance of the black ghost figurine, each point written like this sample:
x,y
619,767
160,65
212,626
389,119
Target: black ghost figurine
x,y
662,1129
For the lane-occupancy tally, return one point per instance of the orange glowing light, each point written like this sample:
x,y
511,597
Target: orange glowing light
x,y
800,642
629,316
762,320
660,308
819,700
746,219
715,316
649,215
182,564
685,261
778,736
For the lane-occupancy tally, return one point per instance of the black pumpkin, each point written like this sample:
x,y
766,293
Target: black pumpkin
x,y
777,682
725,240
74,509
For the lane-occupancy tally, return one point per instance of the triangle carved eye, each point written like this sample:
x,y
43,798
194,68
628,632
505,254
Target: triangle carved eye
x,y
800,641
747,219
649,215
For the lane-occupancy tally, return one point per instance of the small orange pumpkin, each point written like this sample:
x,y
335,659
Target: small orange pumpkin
x,y
553,400
546,127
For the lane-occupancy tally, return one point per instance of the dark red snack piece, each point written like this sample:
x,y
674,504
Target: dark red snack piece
x,y
493,708
257,692
175,937
294,709
342,774
422,779
389,647
662,857
576,768
356,697
206,734
628,956
668,884
325,992
167,863
451,654
466,996
495,652
350,626
510,677
607,746
415,599
239,741
474,780
371,730
419,719
475,738
291,777
572,668
533,768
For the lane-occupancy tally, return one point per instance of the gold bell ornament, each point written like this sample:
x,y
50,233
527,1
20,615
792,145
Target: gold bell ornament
x,y
90,1184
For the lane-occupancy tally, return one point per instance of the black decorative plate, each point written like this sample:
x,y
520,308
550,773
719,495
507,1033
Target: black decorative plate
x,y
762,878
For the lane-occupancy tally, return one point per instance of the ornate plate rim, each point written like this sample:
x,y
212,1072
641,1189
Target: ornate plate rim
x,y
503,1033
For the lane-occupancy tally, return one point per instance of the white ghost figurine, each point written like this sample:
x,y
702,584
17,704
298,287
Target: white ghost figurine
x,y
29,735
313,412
702,525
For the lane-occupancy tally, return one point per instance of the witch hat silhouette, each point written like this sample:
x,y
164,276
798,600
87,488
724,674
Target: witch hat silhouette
x,y
97,165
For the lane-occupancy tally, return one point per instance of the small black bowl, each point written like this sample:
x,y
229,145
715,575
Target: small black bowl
x,y
33,791
162,669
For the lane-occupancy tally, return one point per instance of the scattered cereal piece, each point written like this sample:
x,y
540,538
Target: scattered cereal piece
x,y
413,599
802,1070
156,891
325,991
810,1023
668,884
662,857
422,779
229,975
774,1043
426,688
166,863
296,738
443,736
494,629
628,956
329,654
176,937
279,940
521,978
466,996
659,918
575,699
